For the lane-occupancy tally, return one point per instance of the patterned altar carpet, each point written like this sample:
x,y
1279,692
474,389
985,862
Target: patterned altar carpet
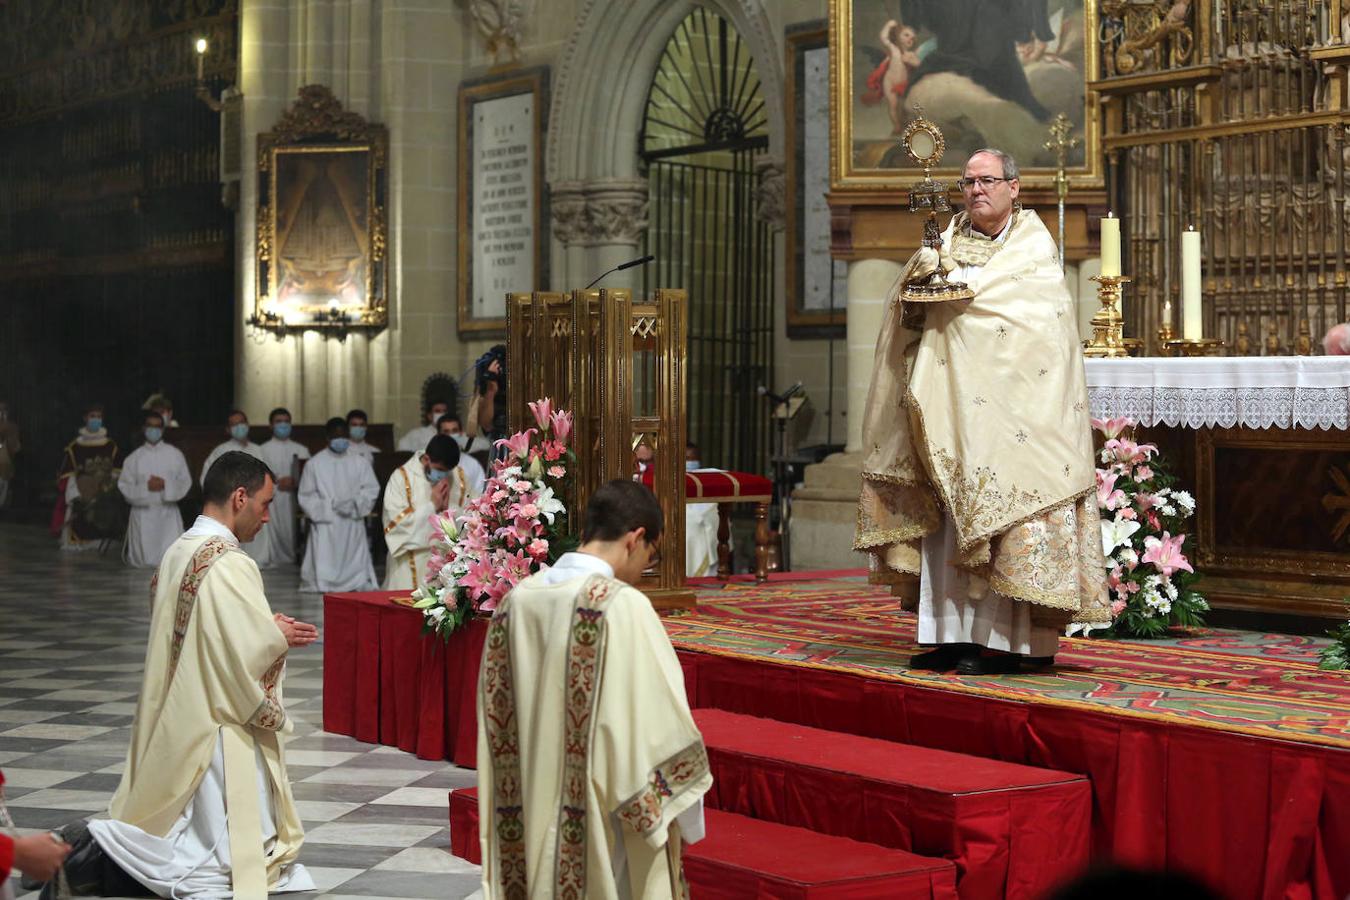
x,y
1266,685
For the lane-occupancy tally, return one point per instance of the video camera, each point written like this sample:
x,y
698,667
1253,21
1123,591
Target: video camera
x,y
481,373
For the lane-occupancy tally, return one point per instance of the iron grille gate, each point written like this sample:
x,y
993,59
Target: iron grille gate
x,y
705,126
707,239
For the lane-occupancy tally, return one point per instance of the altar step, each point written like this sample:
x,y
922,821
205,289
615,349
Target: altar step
x,y
743,857
1011,830
1003,830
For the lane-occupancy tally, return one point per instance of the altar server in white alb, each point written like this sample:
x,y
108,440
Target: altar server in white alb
x,y
416,439
236,426
204,808
430,482
281,455
337,491
591,770
154,478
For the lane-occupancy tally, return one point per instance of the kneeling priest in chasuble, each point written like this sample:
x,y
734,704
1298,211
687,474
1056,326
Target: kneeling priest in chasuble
x,y
430,482
978,474
204,806
591,769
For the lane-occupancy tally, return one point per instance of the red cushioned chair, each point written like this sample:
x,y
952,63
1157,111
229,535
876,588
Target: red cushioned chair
x,y
724,489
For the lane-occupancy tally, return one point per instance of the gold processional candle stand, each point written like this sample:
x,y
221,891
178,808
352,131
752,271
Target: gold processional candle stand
x,y
579,349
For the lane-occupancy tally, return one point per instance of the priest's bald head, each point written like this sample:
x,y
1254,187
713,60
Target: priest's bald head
x,y
622,526
237,492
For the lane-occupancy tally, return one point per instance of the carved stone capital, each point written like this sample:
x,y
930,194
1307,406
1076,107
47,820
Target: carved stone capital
x,y
771,193
567,204
613,211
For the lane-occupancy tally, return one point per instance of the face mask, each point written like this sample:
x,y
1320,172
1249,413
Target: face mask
x,y
436,476
94,424
282,430
154,435
239,432
358,432
462,439
692,464
338,445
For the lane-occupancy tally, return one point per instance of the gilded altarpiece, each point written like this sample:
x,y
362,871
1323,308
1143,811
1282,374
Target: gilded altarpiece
x,y
1230,117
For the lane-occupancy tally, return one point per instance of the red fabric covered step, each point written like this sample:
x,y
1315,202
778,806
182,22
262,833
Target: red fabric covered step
x,y
742,857
702,486
1013,831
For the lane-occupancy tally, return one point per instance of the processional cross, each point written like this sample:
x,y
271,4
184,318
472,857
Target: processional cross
x,y
1060,144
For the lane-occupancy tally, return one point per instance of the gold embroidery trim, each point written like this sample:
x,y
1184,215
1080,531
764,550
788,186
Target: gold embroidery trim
x,y
643,811
407,510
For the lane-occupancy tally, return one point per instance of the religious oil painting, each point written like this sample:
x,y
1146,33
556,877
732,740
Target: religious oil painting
x,y
321,259
989,73
323,230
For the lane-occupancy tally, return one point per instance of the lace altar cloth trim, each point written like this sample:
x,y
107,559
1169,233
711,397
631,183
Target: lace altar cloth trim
x,y
1251,392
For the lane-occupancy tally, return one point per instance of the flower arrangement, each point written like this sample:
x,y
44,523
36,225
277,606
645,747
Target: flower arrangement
x,y
1336,655
1143,517
516,528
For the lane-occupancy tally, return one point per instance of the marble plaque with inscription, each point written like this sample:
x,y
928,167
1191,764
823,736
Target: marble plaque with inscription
x,y
503,164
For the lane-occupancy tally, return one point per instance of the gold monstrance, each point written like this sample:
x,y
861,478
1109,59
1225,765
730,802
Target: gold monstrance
x,y
925,144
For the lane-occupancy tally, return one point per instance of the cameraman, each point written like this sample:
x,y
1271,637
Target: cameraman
x,y
490,403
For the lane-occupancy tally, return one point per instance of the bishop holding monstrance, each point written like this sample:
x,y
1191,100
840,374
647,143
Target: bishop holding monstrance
x,y
978,474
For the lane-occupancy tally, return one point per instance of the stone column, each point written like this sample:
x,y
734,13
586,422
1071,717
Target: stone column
x,y
617,212
824,508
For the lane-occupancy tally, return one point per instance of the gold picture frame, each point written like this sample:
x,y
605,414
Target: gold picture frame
x,y
866,154
524,85
321,251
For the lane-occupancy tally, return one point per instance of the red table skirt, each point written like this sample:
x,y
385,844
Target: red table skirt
x,y
387,683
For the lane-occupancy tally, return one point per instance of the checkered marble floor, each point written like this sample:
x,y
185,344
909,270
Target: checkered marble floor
x,y
72,642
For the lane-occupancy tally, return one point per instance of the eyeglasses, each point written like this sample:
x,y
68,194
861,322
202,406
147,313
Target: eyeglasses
x,y
984,181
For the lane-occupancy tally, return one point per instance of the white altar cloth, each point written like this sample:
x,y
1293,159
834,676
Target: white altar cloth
x,y
1248,391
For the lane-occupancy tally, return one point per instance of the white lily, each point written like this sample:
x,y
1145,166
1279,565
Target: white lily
x,y
549,506
1115,532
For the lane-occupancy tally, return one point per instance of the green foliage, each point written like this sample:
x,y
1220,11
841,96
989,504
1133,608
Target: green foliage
x,y
1337,654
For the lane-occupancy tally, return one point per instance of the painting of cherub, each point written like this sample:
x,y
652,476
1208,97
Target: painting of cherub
x,y
988,72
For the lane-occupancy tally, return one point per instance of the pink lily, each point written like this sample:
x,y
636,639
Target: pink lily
x,y
562,424
543,413
1108,495
1143,473
1165,554
519,443
1117,607
1112,428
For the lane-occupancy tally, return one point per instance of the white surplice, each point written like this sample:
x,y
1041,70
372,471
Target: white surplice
x,y
473,473
337,492
415,441
407,513
260,548
958,608
363,450
192,858
700,539
280,457
155,521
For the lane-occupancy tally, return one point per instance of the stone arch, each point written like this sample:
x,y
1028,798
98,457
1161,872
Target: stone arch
x,y
619,42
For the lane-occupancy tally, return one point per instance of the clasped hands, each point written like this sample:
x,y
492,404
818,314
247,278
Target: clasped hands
x,y
297,633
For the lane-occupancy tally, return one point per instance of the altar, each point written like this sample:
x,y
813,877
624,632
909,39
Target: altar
x,y
1264,444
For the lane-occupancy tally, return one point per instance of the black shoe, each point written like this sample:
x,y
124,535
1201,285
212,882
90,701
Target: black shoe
x,y
76,834
976,663
940,659
1037,663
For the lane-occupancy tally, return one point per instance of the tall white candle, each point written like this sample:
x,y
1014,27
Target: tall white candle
x,y
1110,245
1192,328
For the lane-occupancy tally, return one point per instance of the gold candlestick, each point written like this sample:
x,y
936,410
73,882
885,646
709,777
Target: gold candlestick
x,y
1108,341
1202,347
1165,332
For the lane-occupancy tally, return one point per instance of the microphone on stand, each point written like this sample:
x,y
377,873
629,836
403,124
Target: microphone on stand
x,y
620,267
778,398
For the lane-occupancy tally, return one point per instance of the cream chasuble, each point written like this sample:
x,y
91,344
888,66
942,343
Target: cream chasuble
x,y
587,752
281,457
407,513
977,421
155,521
210,706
